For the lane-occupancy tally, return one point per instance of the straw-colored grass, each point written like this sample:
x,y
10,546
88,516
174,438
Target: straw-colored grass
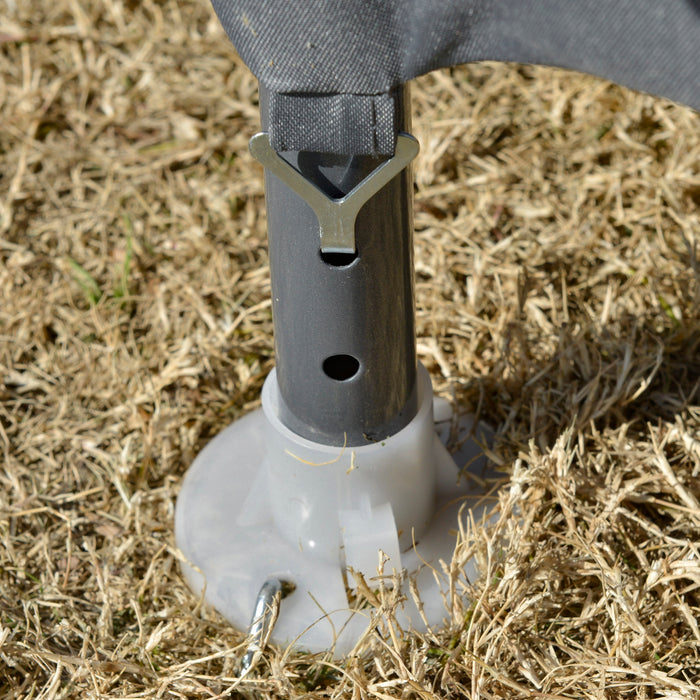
x,y
558,283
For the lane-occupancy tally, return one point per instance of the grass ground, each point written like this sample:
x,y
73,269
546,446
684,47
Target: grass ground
x,y
558,283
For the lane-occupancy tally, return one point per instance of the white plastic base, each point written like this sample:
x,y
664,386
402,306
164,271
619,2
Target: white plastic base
x,y
261,502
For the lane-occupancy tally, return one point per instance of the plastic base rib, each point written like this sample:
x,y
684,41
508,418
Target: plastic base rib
x,y
262,502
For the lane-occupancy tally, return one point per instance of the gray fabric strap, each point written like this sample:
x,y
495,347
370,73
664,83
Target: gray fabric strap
x,y
317,122
331,64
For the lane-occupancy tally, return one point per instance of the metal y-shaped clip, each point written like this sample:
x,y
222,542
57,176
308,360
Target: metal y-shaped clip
x,y
336,217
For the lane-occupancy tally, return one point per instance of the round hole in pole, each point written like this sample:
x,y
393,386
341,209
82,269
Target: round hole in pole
x,y
339,259
341,367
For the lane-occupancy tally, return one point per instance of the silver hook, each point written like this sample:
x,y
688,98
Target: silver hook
x,y
336,217
265,614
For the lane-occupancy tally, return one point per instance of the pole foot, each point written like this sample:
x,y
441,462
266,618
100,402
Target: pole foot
x,y
260,502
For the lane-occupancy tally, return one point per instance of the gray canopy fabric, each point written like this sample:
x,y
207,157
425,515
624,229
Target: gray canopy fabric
x,y
330,65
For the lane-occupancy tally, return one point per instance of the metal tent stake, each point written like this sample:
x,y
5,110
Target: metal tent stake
x,y
342,468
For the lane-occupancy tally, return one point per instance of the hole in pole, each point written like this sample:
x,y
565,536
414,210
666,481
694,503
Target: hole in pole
x,y
341,367
339,259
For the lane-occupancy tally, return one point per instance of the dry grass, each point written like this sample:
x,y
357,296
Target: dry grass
x,y
559,295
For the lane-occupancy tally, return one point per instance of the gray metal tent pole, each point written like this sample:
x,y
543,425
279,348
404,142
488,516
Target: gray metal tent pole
x,y
255,508
343,323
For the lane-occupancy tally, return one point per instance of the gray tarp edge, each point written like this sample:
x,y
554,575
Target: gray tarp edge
x,y
330,65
